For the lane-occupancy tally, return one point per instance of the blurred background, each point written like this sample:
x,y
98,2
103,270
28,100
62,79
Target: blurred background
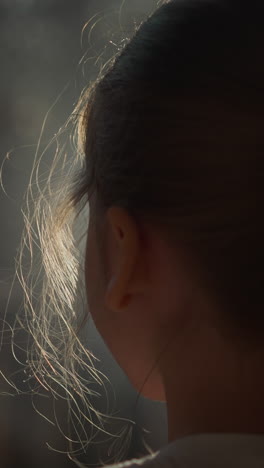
x,y
46,60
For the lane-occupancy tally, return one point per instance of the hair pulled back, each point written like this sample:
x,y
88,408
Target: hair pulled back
x,y
173,132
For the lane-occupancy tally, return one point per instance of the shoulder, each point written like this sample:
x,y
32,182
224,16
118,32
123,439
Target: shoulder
x,y
155,460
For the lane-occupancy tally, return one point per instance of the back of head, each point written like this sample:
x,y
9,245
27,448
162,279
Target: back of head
x,y
173,132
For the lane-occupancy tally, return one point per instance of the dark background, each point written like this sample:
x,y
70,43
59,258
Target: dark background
x,y
42,61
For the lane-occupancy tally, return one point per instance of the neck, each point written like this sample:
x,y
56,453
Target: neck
x,y
212,387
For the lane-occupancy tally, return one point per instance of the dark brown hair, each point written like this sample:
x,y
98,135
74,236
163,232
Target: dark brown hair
x,y
173,132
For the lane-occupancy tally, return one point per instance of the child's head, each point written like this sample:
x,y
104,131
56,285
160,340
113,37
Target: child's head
x,y
174,140
173,143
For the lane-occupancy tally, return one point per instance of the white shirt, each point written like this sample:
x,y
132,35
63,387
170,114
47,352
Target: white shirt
x,y
206,451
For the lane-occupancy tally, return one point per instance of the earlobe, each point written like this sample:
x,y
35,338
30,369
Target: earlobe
x,y
125,235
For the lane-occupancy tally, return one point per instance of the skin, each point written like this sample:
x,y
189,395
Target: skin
x,y
160,326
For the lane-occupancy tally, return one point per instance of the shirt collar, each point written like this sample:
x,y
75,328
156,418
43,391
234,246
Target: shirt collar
x,y
214,450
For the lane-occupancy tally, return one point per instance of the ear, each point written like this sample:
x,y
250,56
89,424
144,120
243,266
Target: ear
x,y
123,281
